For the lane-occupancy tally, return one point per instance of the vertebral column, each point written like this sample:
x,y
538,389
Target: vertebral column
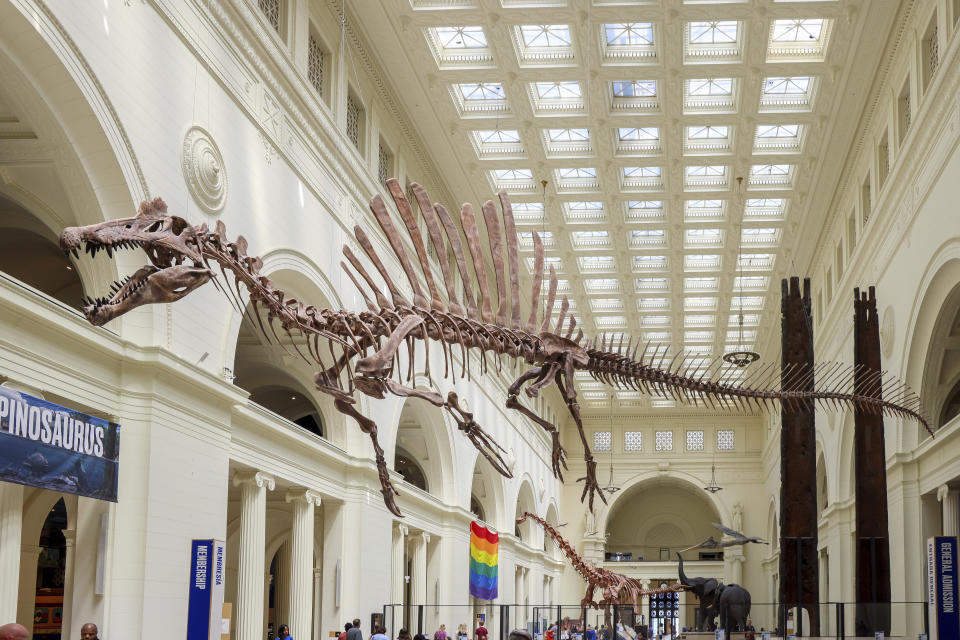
x,y
250,582
799,572
870,468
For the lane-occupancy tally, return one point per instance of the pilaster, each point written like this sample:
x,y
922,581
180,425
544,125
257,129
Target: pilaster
x,y
250,578
11,525
301,586
949,509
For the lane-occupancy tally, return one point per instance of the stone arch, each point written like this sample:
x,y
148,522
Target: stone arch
x,y
553,518
843,470
487,489
652,478
525,502
421,429
823,496
684,517
275,375
80,167
931,322
773,526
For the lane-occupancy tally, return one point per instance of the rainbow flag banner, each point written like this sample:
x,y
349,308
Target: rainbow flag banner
x,y
483,562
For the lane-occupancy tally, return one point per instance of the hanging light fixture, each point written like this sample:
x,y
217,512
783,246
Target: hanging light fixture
x,y
713,487
611,488
742,357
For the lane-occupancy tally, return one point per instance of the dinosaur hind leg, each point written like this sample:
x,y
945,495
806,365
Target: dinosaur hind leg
x,y
564,380
543,377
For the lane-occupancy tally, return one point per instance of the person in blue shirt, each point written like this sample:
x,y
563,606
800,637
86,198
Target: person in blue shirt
x,y
591,633
284,632
380,634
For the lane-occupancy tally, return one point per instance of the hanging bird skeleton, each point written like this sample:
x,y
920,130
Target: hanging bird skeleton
x,y
363,348
730,538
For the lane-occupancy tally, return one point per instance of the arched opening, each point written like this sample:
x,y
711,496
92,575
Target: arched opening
x,y
476,508
287,402
654,520
486,493
29,253
552,519
406,465
51,574
525,503
822,499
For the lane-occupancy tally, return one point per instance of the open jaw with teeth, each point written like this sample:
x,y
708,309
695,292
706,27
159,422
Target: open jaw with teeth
x,y
168,243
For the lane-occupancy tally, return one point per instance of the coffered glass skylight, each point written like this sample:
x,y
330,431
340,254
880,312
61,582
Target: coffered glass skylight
x,y
643,211
644,217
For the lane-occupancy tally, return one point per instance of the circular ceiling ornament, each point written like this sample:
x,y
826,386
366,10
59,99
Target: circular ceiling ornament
x,y
203,170
887,327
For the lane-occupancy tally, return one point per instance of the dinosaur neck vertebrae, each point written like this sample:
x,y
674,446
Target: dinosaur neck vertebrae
x,y
362,351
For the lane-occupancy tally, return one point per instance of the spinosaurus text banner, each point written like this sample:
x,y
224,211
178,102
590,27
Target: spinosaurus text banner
x,y
52,447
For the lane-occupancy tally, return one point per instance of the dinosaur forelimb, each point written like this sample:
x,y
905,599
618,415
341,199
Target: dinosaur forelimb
x,y
487,447
564,380
369,427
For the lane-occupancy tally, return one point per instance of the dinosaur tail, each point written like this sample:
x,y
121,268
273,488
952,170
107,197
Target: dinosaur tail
x,y
698,379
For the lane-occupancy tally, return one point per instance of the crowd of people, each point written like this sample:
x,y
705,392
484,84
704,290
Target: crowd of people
x,y
14,631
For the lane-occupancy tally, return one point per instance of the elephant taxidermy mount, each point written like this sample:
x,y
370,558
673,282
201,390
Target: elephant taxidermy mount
x,y
730,602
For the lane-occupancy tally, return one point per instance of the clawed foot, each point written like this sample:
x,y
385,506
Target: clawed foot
x,y
591,486
588,603
389,491
559,457
475,433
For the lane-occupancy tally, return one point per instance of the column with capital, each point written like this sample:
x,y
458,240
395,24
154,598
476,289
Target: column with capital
x,y
418,591
317,599
250,578
67,615
301,562
399,576
951,512
11,525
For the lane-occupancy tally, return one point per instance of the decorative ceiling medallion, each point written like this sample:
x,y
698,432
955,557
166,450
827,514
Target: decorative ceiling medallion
x,y
203,170
887,326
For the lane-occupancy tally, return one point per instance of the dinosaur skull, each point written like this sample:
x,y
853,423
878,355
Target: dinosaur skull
x,y
166,239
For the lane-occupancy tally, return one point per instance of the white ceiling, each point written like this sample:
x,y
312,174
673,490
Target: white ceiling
x,y
687,146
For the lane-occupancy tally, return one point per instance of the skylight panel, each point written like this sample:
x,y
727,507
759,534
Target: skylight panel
x,y
701,262
555,261
498,136
513,174
700,303
650,284
644,211
568,135
601,285
699,320
497,143
705,177
610,322
638,140
710,87
704,283
765,209
583,212
787,93
653,304
706,132
760,236
750,283
655,321
749,319
703,238
698,336
556,98
641,178
479,98
634,88
649,263
770,176
647,238
597,264
528,213
576,179
594,239
798,39
778,138
457,46
621,34
755,261
545,35
513,180
576,173
747,303
713,32
558,90
600,305
461,37
706,170
703,210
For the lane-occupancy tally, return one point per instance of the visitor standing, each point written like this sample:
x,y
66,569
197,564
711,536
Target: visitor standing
x,y
404,634
284,632
380,634
89,631
343,634
354,632
591,633
441,633
462,632
14,631
481,632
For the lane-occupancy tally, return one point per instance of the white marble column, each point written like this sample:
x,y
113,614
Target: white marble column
x,y
71,537
951,511
300,588
399,572
281,588
11,525
29,556
736,565
317,600
253,522
418,591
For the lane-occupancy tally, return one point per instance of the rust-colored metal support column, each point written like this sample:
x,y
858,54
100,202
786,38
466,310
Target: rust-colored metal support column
x,y
873,542
799,569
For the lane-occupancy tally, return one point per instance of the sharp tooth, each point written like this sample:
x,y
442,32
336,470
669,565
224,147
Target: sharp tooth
x,y
109,251
76,252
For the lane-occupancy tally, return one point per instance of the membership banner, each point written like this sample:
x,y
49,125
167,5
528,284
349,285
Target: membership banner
x,y
207,579
52,447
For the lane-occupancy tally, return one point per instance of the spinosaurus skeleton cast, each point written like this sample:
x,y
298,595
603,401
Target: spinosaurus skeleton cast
x,y
363,349
615,587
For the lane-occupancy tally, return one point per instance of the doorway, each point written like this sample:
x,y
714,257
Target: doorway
x,y
51,572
